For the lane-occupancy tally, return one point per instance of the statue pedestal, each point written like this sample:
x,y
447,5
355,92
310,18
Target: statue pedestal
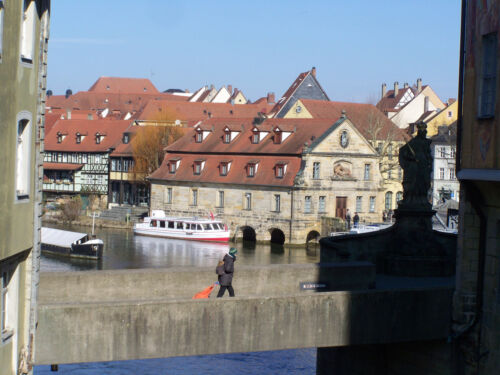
x,y
415,250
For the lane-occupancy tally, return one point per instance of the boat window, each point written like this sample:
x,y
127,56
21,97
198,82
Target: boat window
x,y
198,226
162,224
188,225
179,225
171,224
152,223
207,226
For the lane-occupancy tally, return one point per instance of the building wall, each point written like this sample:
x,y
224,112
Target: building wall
x,y
414,109
295,112
22,90
442,118
444,164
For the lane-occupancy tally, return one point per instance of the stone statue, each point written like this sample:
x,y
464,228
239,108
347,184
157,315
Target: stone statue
x,y
416,160
340,171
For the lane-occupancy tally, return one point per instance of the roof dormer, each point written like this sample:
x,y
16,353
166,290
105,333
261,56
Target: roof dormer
x,y
280,169
258,135
99,137
252,168
200,134
280,135
173,164
198,166
60,137
224,167
229,135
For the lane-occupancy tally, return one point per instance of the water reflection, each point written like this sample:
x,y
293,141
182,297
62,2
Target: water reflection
x,y
124,250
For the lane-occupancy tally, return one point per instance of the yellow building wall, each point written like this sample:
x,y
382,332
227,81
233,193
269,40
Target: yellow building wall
x,y
442,118
303,112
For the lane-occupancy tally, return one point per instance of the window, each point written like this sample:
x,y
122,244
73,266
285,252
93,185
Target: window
x,y
199,137
277,203
74,158
277,136
450,114
372,204
452,152
248,201
251,170
367,172
441,173
59,137
197,168
84,158
97,138
227,137
255,137
113,165
126,138
399,196
389,151
28,32
321,204
78,138
400,173
172,166
6,304
452,173
127,164
23,155
194,197
220,203
389,174
65,158
316,170
169,195
388,200
486,105
1,26
307,204
97,159
280,170
223,169
442,152
359,204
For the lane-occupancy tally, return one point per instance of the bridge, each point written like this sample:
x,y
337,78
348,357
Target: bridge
x,y
96,316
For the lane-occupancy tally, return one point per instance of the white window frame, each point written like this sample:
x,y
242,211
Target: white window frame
x,y
277,202
28,28
23,156
372,204
194,197
307,204
487,91
316,170
441,173
220,197
322,204
388,200
248,201
9,294
359,203
169,195
367,172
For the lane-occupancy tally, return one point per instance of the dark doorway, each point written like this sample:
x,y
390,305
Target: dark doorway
x,y
277,236
341,207
312,236
249,234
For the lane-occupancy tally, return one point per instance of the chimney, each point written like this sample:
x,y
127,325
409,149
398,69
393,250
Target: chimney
x,y
270,98
419,85
396,88
384,89
230,89
313,71
405,85
68,114
426,104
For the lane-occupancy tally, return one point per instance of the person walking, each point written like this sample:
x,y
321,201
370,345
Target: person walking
x,y
348,219
226,278
355,220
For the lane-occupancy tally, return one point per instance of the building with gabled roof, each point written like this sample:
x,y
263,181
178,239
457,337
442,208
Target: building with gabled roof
x,y
409,105
76,156
123,85
271,179
305,86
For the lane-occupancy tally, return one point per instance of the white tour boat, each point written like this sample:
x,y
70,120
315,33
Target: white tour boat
x,y
195,228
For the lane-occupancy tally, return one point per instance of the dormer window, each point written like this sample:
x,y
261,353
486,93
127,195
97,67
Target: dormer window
x,y
198,166
78,138
59,137
251,169
223,169
172,167
199,136
280,169
126,138
98,138
255,137
227,136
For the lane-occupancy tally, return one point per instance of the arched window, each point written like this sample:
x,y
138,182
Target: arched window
x,y
399,197
388,200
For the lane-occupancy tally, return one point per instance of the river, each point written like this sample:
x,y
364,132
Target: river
x,y
123,250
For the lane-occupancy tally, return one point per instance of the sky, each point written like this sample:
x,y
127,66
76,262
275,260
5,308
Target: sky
x,y
257,46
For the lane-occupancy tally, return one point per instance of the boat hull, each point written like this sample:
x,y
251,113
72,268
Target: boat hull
x,y
184,235
82,251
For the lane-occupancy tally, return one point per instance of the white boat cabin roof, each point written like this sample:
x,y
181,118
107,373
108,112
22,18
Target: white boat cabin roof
x,y
58,237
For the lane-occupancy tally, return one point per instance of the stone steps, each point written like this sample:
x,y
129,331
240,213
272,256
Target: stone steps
x,y
119,213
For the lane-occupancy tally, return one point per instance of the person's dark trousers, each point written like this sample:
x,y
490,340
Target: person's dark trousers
x,y
222,290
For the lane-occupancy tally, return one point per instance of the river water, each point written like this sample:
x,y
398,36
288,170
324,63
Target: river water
x,y
123,250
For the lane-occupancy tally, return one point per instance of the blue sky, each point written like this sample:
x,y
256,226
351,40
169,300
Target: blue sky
x,y
257,46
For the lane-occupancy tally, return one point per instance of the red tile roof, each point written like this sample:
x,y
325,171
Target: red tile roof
x,y
389,101
237,174
111,129
193,111
366,117
123,85
62,166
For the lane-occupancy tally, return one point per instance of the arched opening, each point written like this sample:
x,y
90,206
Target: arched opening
x,y
248,234
313,236
277,236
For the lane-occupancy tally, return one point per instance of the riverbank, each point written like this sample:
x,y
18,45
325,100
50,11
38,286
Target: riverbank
x,y
86,221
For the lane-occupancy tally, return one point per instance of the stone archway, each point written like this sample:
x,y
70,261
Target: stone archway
x,y
248,234
312,236
277,236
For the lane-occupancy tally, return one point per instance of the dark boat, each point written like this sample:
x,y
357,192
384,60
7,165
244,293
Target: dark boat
x,y
71,244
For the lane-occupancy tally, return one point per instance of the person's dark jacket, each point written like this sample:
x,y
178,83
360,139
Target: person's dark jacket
x,y
219,270
227,278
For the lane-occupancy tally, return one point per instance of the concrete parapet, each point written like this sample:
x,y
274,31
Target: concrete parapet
x,y
90,332
184,282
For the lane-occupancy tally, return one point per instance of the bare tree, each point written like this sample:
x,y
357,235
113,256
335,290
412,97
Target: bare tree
x,y
71,210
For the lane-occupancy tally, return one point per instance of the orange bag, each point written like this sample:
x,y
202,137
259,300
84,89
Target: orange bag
x,y
205,293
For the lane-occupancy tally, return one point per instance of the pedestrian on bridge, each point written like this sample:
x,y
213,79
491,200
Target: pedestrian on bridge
x,y
226,279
